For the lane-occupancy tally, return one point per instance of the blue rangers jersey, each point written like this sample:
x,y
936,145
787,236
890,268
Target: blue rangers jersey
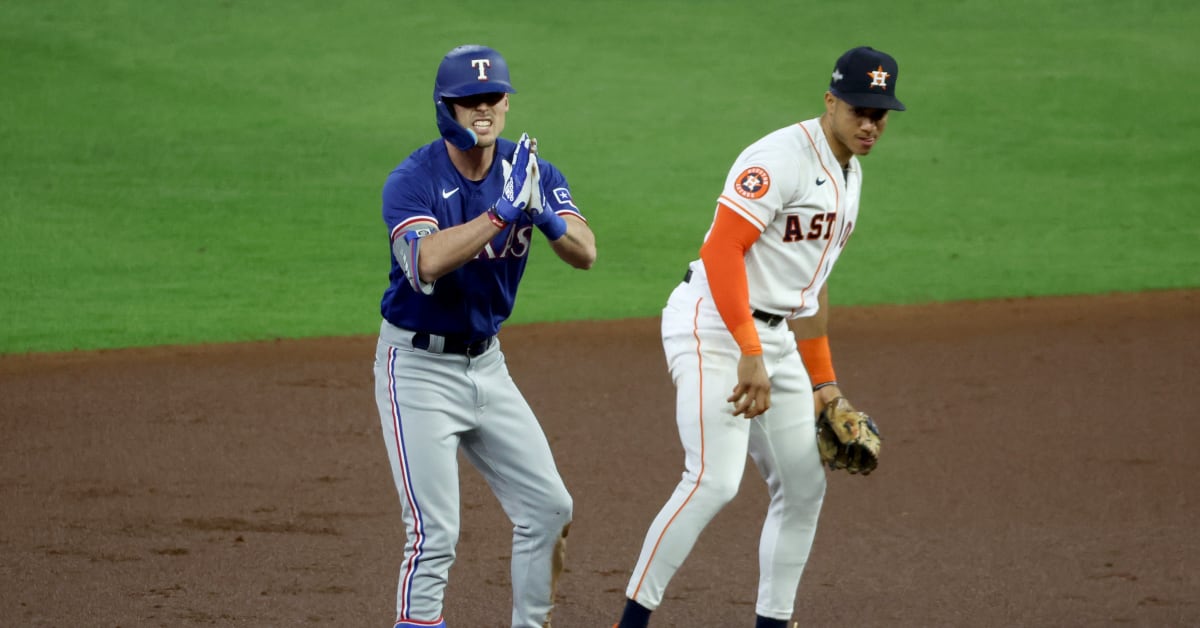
x,y
426,192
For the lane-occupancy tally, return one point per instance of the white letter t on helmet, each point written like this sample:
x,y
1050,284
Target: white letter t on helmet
x,y
482,65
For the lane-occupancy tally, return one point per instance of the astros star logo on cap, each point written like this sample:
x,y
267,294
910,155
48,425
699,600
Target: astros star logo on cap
x,y
878,78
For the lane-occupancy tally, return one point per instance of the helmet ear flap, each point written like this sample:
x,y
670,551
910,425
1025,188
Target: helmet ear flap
x,y
459,136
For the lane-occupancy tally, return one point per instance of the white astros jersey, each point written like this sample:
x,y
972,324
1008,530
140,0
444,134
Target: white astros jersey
x,y
790,186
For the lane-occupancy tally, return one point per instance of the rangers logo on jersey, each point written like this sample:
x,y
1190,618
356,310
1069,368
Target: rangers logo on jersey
x,y
753,182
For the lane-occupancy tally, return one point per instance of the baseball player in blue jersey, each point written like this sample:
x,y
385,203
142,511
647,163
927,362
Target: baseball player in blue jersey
x,y
461,213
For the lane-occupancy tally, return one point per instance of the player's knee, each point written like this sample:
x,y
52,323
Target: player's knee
x,y
554,514
806,492
718,491
561,513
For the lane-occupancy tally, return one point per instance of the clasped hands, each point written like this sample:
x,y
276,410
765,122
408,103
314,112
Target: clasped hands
x,y
523,193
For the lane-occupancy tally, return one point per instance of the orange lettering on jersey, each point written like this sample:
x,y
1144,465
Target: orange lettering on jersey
x,y
753,182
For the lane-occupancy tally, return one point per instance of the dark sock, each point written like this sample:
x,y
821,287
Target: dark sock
x,y
634,616
767,622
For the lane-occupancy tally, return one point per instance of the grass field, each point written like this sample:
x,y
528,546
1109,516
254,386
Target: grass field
x,y
176,172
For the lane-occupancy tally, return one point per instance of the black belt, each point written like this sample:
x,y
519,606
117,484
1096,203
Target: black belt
x,y
420,340
766,317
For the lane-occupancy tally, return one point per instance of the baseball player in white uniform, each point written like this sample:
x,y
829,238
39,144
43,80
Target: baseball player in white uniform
x,y
746,382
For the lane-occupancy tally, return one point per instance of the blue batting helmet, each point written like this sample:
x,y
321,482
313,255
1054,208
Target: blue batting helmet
x,y
467,71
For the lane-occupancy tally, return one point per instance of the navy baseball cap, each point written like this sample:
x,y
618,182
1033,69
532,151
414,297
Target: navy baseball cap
x,y
866,77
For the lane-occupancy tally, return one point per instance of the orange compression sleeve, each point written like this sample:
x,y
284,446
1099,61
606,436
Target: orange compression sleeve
x,y
724,257
817,359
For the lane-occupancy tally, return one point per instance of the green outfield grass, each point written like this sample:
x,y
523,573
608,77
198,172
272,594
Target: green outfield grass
x,y
176,172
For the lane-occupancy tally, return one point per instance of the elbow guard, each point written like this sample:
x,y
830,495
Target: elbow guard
x,y
407,250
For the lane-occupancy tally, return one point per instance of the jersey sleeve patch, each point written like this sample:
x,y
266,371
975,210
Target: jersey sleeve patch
x,y
562,196
752,183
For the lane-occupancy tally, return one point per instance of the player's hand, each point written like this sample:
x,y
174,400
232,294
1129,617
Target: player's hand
x,y
539,209
824,396
517,182
537,205
752,394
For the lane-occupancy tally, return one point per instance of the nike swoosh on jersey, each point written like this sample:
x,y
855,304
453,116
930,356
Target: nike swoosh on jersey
x,y
446,194
820,181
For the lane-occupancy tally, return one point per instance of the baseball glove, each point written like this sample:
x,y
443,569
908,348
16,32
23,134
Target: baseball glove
x,y
846,438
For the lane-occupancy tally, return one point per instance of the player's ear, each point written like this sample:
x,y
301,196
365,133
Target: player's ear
x,y
830,102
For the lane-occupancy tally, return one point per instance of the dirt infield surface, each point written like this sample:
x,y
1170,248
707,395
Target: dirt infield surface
x,y
1039,469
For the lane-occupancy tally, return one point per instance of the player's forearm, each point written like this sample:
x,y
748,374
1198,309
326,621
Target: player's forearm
x,y
577,246
812,340
816,325
811,326
447,250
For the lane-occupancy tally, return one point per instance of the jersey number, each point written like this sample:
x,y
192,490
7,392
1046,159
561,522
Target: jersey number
x,y
820,228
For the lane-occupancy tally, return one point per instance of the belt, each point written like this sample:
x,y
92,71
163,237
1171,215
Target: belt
x,y
766,317
421,340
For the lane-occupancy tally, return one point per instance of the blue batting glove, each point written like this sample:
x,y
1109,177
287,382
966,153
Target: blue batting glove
x,y
541,214
539,210
518,177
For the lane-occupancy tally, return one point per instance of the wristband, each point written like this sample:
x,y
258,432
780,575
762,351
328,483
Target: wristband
x,y
496,219
820,386
553,226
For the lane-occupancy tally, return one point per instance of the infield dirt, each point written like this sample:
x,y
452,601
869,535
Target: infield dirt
x,y
1039,468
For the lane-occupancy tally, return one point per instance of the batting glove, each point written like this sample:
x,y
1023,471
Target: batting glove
x,y
539,210
518,177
